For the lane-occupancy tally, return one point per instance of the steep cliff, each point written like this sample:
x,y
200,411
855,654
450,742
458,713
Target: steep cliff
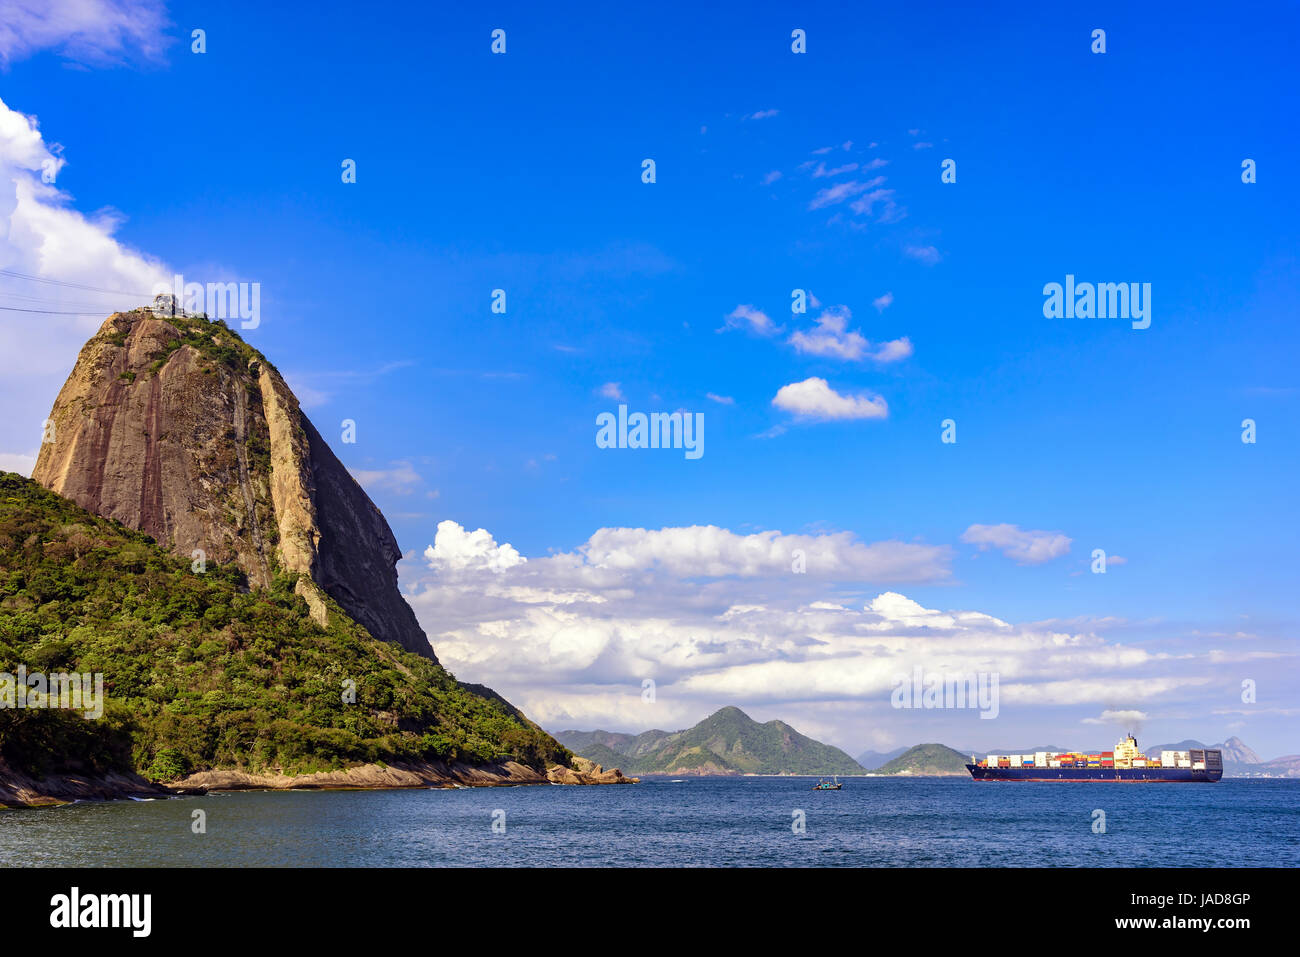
x,y
178,428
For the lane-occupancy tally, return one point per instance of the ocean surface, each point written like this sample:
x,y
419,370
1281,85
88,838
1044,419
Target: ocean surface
x,y
718,822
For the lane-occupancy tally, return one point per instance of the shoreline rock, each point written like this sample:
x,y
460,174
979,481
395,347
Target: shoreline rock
x,y
20,791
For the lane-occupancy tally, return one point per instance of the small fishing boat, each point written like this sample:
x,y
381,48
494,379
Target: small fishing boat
x,y
824,785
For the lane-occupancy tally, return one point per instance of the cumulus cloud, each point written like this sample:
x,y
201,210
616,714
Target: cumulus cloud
x,y
883,302
1028,547
833,339
73,258
777,623
612,390
707,550
747,317
94,32
454,549
813,398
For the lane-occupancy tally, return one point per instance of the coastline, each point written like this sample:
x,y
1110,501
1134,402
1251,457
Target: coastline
x,y
19,791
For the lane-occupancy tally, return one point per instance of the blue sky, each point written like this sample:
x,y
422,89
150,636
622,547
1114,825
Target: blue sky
x,y
523,172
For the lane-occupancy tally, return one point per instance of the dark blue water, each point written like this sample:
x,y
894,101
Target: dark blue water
x,y
935,822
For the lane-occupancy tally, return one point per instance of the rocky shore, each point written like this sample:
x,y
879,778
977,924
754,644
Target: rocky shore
x,y
19,791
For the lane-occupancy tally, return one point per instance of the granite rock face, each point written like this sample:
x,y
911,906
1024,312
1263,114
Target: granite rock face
x,y
176,427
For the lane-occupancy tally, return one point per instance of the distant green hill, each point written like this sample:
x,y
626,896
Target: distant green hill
x,y
726,742
928,759
605,757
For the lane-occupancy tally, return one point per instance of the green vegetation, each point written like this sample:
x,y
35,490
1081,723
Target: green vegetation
x,y
931,759
201,673
211,338
726,742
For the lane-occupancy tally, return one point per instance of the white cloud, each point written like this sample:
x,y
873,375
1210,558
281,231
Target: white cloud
x,y
762,114
1126,718
612,390
400,478
1023,545
42,236
86,31
925,254
813,398
865,205
707,550
833,339
771,177
755,320
821,171
19,462
883,302
840,192
455,549
716,618
720,399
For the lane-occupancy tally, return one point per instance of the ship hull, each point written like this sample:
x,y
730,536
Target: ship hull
x,y
1134,775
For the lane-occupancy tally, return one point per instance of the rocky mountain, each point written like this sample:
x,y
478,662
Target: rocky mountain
x,y
207,683
1235,751
178,428
191,542
1240,760
726,742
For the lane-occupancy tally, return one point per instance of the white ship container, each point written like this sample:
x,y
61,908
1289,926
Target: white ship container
x,y
1040,759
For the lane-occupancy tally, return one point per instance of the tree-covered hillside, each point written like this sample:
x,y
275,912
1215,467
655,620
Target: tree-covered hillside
x,y
201,673
726,742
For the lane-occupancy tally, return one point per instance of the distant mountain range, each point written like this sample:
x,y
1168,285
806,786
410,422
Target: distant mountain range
x,y
727,742
1239,761
730,742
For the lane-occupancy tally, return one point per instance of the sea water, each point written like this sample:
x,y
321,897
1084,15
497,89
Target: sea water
x,y
719,821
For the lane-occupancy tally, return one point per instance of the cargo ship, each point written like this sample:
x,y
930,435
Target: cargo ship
x,y
1125,763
